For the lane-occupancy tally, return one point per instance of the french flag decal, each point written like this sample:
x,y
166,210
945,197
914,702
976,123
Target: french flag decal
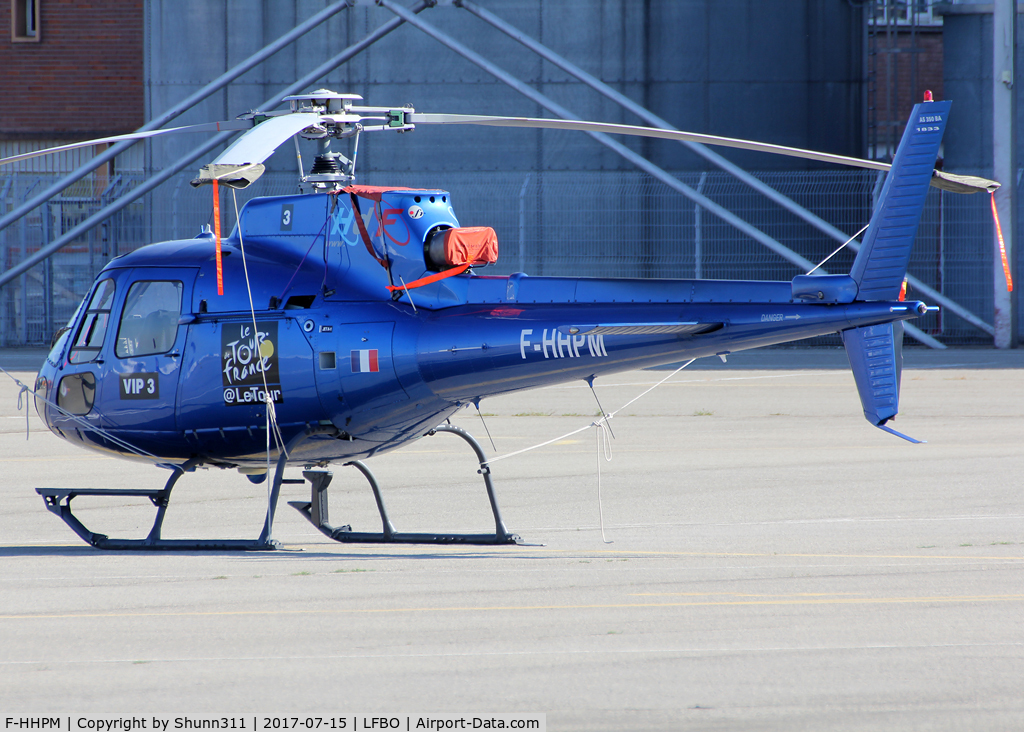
x,y
364,361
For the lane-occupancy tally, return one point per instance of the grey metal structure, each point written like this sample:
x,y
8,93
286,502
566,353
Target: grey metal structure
x,y
222,138
177,110
701,64
626,51
982,41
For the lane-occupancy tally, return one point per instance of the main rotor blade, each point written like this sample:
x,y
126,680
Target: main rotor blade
x,y
234,124
615,129
260,142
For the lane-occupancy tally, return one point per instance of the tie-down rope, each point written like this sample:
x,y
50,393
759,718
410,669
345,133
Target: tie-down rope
x,y
604,445
82,424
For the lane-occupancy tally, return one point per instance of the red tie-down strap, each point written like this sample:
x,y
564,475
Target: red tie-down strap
x,y
430,278
463,248
363,232
372,193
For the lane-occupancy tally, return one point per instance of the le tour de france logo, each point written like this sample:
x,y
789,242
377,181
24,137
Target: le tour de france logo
x,y
249,360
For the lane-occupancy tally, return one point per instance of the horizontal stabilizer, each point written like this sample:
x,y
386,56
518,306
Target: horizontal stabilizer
x,y
876,357
908,438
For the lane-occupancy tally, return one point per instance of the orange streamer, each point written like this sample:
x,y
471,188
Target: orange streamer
x,y
216,236
1002,245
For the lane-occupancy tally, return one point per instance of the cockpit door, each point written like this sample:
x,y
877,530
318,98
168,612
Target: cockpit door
x,y
141,382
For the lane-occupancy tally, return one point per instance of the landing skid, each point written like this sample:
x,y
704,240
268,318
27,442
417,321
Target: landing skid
x,y
58,501
317,513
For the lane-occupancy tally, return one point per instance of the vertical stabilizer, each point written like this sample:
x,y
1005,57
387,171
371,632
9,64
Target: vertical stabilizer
x,y
881,264
876,357
876,351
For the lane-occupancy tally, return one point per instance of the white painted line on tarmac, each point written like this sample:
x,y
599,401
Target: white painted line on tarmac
x,y
396,656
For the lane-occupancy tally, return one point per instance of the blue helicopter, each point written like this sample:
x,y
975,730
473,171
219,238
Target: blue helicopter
x,y
347,321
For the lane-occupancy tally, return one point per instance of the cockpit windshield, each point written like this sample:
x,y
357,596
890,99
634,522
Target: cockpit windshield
x,y
89,338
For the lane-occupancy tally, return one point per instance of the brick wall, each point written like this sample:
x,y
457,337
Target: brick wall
x,y
83,78
928,76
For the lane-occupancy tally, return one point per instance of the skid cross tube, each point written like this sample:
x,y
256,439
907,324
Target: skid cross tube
x,y
316,510
58,502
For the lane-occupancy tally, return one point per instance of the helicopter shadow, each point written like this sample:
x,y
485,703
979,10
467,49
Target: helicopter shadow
x,y
425,555
278,555
56,550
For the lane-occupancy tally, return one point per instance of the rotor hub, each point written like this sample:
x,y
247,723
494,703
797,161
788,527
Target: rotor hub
x,y
329,171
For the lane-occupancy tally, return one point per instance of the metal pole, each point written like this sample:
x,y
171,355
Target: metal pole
x,y
23,294
5,256
223,137
705,152
1004,169
637,160
47,280
1015,173
698,234
178,109
522,222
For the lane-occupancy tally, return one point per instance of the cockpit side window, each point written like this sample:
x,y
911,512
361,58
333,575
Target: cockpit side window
x,y
89,339
149,323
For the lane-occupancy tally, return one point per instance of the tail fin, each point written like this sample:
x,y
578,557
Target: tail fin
x,y
881,264
876,358
876,351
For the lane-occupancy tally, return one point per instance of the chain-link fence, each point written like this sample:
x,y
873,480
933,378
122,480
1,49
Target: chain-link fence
x,y
594,224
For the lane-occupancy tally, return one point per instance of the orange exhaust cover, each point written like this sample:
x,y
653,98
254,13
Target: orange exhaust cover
x,y
471,245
